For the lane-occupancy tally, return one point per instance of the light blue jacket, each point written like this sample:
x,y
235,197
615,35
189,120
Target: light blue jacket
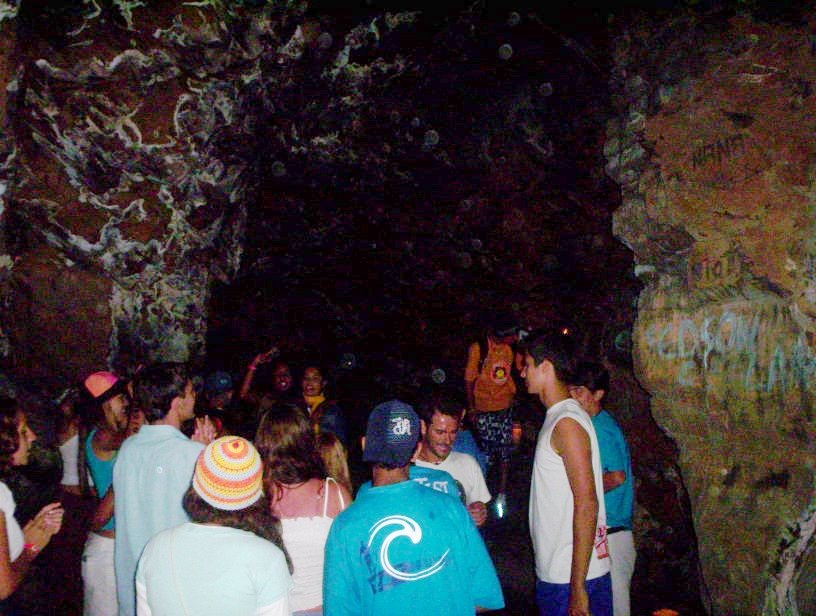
x,y
153,470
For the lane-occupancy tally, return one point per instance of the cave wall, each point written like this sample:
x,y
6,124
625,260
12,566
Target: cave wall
x,y
7,43
128,137
714,150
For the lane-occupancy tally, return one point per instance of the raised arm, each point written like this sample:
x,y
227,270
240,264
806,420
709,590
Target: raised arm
x,y
471,374
260,358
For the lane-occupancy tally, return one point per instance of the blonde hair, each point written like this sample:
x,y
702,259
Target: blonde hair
x,y
335,458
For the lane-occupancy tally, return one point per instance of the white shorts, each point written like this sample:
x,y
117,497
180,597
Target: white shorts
x,y
98,578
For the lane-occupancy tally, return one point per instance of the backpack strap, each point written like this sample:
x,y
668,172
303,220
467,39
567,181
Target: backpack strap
x,y
484,346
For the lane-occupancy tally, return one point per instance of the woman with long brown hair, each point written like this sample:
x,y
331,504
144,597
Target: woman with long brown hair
x,y
19,547
302,495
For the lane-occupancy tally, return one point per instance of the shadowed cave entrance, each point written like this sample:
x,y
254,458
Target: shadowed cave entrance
x,y
457,184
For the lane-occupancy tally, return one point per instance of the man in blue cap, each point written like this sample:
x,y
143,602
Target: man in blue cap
x,y
218,399
400,548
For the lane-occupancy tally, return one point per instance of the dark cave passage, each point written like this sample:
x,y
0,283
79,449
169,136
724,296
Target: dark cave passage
x,y
365,186
463,184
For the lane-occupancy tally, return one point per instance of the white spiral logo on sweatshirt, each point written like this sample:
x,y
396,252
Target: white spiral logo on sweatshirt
x,y
409,529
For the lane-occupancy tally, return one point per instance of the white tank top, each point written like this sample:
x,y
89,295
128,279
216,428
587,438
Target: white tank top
x,y
69,451
305,540
551,502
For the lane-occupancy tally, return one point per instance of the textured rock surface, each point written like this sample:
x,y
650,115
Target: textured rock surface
x,y
715,154
7,72
133,136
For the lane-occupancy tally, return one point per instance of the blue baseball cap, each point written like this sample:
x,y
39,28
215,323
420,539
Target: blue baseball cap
x,y
217,383
392,434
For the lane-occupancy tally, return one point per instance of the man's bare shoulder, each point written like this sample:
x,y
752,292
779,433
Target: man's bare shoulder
x,y
568,432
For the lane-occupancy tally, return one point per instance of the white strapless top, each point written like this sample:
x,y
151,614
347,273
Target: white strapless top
x,y
305,540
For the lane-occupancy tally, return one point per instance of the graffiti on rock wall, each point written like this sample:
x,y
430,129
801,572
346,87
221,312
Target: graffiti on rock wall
x,y
718,151
709,156
726,161
756,346
714,270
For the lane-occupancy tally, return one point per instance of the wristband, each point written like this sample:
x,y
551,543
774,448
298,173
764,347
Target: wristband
x,y
31,548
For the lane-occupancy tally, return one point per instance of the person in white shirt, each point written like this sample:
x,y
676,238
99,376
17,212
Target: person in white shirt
x,y
567,514
441,416
19,547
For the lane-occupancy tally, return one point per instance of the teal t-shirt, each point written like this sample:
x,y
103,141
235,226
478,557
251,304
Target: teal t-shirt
x,y
404,550
214,570
615,457
439,480
101,474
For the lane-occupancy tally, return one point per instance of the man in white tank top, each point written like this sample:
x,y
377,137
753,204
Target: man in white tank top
x,y
567,515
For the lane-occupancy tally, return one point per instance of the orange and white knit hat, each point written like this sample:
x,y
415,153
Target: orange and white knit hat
x,y
228,474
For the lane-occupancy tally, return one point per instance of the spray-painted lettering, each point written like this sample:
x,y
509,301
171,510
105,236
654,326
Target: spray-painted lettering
x,y
763,348
718,151
710,271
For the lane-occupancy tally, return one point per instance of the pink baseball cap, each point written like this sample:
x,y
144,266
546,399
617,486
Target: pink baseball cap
x,y
103,385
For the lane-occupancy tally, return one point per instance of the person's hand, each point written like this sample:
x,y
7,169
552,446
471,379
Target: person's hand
x,y
578,602
205,431
43,526
265,357
478,512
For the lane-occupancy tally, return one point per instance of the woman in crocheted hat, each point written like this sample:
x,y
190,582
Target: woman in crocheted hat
x,y
19,547
229,559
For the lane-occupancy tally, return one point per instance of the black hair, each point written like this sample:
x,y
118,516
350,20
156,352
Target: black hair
x,y
388,466
155,387
556,347
502,324
320,366
592,375
9,437
439,402
91,410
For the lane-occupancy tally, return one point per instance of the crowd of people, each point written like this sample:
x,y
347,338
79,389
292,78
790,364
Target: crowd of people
x,y
207,498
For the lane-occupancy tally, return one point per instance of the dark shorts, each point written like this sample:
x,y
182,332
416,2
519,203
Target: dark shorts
x,y
553,599
494,431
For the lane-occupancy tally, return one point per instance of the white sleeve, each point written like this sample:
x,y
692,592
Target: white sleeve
x,y
479,491
142,608
278,608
